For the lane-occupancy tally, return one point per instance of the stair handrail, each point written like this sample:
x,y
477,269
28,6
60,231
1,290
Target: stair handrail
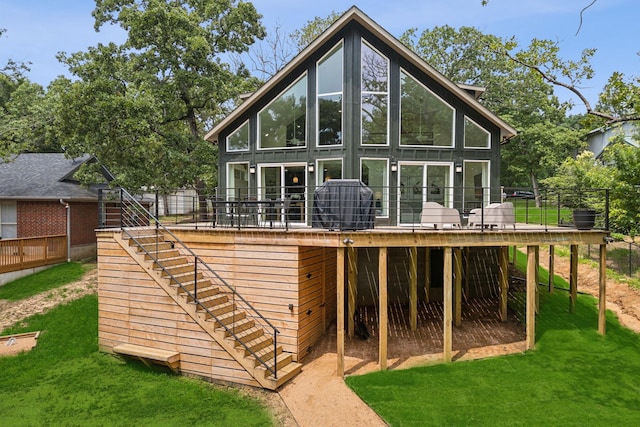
x,y
158,226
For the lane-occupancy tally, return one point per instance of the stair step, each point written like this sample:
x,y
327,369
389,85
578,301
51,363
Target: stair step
x,y
220,309
178,269
230,317
159,255
248,336
238,327
255,345
212,302
287,372
185,279
146,239
169,261
266,355
204,293
283,360
153,247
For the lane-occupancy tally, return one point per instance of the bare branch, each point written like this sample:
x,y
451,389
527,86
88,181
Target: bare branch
x,y
608,117
581,12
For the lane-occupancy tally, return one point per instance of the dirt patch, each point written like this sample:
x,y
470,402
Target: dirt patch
x,y
621,299
12,312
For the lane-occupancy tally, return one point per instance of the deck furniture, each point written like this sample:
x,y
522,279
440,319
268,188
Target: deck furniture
x,y
438,216
493,215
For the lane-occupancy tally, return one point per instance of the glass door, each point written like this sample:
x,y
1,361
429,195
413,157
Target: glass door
x,y
423,182
285,181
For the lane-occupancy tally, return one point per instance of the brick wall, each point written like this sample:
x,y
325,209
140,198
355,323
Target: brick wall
x,y
36,219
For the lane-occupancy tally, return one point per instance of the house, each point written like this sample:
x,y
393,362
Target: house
x,y
358,104
598,139
247,303
40,196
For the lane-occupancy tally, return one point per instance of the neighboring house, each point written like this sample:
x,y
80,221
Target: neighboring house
x,y
358,104
599,139
40,196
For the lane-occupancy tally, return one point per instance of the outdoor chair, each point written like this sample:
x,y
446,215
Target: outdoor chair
x,y
493,215
438,216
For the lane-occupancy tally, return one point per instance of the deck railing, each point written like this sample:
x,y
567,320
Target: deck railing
x,y
135,218
32,252
297,206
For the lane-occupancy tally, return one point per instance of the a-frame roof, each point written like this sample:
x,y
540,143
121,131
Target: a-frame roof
x,y
355,14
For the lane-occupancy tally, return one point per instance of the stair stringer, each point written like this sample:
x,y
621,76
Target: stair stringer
x,y
257,371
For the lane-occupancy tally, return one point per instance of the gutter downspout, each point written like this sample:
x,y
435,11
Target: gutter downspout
x,y
68,209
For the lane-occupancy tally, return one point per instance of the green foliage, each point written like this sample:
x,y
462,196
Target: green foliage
x,y
64,380
142,107
312,29
45,280
573,377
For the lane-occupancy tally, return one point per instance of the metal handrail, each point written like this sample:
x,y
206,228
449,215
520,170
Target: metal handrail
x,y
140,209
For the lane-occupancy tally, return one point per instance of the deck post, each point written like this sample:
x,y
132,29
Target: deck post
x,y
413,288
504,281
551,268
531,297
602,294
573,279
340,310
537,278
383,301
352,280
457,275
427,273
447,315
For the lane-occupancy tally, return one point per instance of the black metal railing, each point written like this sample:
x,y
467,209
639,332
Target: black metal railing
x,y
136,220
345,207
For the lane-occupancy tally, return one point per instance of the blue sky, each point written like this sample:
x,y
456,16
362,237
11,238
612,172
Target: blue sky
x,y
38,29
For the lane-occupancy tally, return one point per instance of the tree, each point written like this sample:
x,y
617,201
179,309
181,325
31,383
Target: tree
x,y
142,107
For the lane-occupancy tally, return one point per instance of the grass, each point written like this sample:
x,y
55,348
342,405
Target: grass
x,y
44,280
527,212
66,381
574,377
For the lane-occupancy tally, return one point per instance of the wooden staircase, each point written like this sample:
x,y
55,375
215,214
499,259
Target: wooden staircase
x,y
234,330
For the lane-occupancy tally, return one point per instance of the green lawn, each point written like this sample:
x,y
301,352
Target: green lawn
x,y
65,381
44,280
574,377
527,212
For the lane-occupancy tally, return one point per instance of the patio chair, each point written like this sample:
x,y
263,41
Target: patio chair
x,y
436,215
495,215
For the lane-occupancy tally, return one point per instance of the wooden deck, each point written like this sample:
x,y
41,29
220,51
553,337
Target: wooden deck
x,y
292,277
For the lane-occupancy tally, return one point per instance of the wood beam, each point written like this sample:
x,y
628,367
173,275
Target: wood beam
x,y
448,290
413,288
602,294
504,281
537,250
352,285
383,301
457,275
551,268
427,273
573,279
531,297
340,310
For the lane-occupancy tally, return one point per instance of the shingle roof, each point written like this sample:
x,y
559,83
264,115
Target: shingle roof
x,y
43,176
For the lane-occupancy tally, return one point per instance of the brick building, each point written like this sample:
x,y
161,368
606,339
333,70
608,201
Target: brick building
x,y
40,196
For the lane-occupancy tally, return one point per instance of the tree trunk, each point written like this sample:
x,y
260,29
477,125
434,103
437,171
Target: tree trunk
x,y
536,189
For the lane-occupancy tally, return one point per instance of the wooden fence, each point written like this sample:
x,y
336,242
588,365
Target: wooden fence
x,y
30,252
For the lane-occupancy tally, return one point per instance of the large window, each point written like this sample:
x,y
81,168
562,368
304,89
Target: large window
x,y
237,181
8,220
375,96
423,182
375,174
330,78
474,135
476,184
239,139
425,119
329,169
283,122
